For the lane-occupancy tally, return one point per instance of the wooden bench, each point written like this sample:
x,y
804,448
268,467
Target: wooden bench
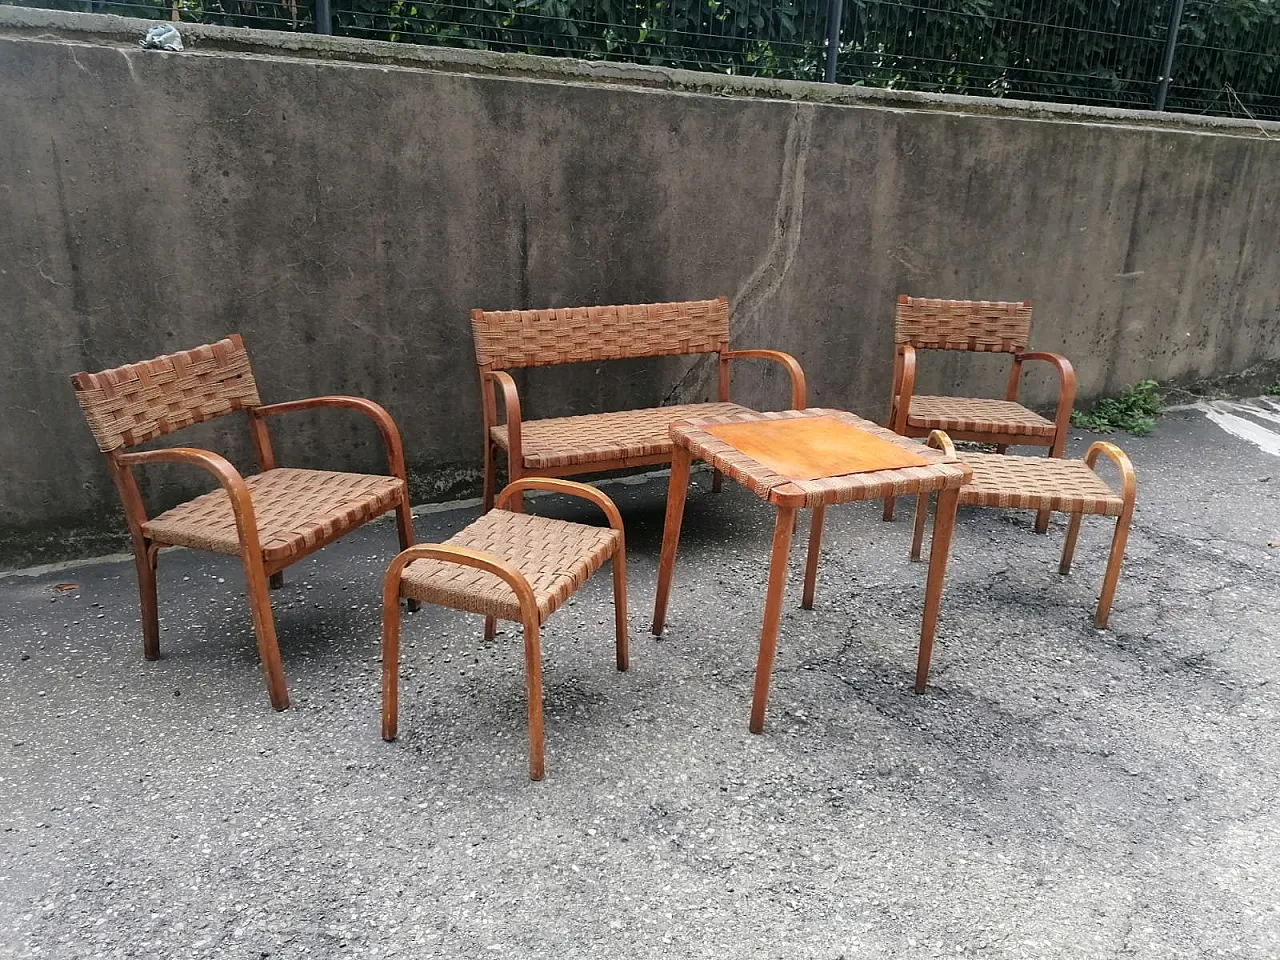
x,y
569,446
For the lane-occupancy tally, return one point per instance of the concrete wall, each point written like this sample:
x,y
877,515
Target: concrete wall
x,y
344,205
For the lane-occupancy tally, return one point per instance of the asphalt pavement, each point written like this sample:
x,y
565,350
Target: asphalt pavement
x,y
1058,792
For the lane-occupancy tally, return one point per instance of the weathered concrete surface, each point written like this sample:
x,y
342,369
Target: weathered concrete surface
x,y
1060,792
345,216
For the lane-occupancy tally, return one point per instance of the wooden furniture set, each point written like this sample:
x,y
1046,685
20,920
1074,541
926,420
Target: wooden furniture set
x,y
518,567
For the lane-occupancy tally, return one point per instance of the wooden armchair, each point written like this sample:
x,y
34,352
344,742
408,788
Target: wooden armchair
x,y
270,519
982,326
569,446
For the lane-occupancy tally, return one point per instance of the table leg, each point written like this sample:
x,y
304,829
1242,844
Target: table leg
x,y
772,613
944,522
811,560
677,489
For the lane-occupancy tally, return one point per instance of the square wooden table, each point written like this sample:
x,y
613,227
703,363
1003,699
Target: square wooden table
x,y
795,459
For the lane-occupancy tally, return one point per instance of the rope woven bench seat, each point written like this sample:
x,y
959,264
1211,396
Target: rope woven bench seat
x,y
555,556
1037,483
976,415
294,510
566,446
597,437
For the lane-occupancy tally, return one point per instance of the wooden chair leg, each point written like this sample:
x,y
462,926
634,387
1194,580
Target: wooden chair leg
x,y
772,614
917,534
1069,545
276,580
533,686
621,642
1042,521
944,523
404,528
717,481
677,490
145,561
888,509
490,629
811,559
390,665
490,471
264,627
1116,558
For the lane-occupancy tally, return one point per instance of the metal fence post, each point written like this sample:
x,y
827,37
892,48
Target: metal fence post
x,y
324,18
1166,62
835,12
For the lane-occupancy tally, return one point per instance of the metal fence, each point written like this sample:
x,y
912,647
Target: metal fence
x,y
1198,56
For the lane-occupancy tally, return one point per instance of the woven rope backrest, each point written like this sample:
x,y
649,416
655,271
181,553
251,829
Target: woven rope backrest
x,y
535,338
990,326
141,401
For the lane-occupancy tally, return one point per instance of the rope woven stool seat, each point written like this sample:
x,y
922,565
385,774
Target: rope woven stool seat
x,y
1046,484
511,566
555,556
977,415
594,437
1037,483
296,511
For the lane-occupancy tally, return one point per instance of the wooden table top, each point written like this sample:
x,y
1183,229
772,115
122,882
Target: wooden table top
x,y
803,458
810,448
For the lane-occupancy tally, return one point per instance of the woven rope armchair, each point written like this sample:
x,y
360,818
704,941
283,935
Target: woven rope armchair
x,y
976,326
570,446
271,519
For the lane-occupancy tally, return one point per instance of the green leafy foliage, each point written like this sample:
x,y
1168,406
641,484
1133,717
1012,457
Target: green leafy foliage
x,y
1090,51
1274,389
1134,411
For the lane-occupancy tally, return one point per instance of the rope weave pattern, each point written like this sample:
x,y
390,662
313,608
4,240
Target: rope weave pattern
x,y
295,510
141,401
555,556
533,338
598,437
975,415
1037,483
942,474
984,325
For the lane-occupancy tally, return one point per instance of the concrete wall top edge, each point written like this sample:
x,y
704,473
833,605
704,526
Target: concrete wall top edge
x,y
115,30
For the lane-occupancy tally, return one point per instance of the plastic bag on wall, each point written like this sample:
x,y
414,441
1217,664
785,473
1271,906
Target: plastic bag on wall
x,y
163,37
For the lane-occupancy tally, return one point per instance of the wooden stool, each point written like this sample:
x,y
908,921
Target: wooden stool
x,y
513,566
1045,484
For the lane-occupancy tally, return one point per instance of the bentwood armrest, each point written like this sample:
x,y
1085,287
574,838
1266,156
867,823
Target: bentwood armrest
x,y
374,411
1128,478
228,478
904,384
569,488
1066,391
788,363
479,559
505,385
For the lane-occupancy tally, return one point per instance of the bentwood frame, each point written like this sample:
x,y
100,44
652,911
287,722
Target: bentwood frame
x,y
296,511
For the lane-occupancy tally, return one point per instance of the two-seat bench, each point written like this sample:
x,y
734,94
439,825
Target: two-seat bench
x,y
569,446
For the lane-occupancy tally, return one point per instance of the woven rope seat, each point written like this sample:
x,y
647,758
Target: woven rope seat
x,y
294,509
555,556
622,435
977,415
1037,483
